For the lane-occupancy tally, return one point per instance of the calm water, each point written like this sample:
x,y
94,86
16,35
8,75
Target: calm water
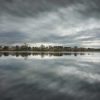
x,y
50,76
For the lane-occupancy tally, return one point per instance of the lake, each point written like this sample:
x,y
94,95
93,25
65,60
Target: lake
x,y
55,76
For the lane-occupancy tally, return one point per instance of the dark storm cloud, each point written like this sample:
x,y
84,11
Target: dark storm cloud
x,y
33,7
92,8
25,8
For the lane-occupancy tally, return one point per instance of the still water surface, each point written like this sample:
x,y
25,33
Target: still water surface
x,y
50,77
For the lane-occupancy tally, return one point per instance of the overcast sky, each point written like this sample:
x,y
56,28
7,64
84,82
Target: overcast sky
x,y
68,22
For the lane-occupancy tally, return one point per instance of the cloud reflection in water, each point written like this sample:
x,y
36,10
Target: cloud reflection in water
x,y
68,77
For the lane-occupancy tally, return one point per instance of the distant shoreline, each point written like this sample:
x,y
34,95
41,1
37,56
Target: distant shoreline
x,y
41,49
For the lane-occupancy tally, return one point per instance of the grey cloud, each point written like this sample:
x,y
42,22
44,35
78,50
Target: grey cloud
x,y
12,37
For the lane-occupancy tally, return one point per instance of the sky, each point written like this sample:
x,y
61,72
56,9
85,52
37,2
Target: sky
x,y
66,22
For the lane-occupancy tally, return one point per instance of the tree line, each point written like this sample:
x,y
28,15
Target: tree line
x,y
49,48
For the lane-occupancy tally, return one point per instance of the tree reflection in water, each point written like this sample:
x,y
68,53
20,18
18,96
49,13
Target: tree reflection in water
x,y
42,54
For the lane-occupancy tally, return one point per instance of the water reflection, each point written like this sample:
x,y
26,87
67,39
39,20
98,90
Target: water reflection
x,y
42,54
67,78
